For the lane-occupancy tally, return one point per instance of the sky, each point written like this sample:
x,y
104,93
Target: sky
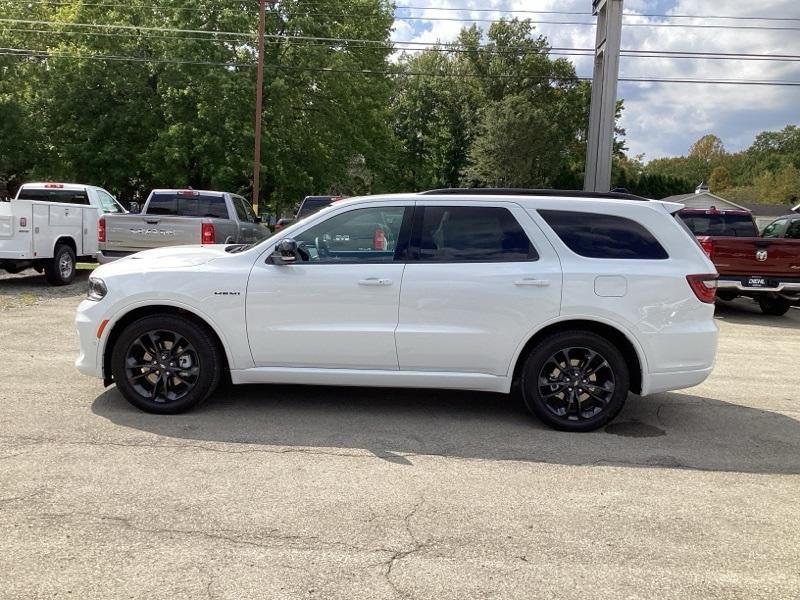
x,y
661,119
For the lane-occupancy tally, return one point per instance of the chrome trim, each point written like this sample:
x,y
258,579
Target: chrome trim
x,y
723,284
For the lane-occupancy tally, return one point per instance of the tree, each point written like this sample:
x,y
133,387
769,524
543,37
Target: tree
x,y
708,149
720,180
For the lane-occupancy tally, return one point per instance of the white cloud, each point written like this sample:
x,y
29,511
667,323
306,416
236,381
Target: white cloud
x,y
663,119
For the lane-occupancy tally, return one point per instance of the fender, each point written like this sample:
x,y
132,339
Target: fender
x,y
581,317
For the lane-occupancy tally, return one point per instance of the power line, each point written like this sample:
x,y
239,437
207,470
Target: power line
x,y
434,47
27,53
436,8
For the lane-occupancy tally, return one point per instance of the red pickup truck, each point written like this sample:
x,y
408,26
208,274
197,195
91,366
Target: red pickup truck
x,y
763,267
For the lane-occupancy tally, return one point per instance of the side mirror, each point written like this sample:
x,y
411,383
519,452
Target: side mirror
x,y
257,219
134,207
285,252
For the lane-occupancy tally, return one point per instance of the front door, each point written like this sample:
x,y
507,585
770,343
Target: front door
x,y
336,306
480,280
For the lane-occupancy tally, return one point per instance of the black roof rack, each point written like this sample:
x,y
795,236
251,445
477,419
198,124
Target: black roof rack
x,y
532,192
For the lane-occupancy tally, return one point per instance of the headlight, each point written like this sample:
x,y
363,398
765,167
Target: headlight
x,y
97,289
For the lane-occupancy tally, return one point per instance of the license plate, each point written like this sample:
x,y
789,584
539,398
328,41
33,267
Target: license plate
x,y
757,282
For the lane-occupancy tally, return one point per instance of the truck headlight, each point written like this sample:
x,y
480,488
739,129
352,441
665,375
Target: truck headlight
x,y
97,289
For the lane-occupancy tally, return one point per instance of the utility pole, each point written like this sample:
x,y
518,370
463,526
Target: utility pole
x,y
600,145
259,103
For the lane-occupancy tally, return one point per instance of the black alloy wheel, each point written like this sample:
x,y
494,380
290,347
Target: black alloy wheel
x,y
165,364
575,381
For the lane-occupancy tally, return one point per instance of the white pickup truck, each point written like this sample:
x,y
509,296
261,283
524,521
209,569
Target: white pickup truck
x,y
49,226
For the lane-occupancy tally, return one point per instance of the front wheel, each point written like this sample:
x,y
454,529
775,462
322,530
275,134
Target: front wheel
x,y
165,364
575,381
60,270
775,306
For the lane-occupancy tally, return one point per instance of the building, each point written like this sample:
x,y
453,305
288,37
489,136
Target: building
x,y
703,199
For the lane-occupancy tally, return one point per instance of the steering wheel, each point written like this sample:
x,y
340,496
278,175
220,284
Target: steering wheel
x,y
322,248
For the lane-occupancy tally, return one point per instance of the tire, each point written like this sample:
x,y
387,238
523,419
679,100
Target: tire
x,y
567,408
776,307
185,350
60,270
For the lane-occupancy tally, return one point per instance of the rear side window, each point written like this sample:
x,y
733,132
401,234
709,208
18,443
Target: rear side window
x,y
58,196
604,236
185,205
472,234
720,224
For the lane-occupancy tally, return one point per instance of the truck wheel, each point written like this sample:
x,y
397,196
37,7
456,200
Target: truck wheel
x,y
575,381
60,270
165,364
774,306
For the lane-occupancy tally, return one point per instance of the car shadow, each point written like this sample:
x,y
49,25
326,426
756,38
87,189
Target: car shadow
x,y
670,430
31,282
745,311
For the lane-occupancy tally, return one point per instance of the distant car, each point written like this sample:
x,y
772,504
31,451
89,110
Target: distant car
x,y
282,223
764,267
314,204
180,217
580,298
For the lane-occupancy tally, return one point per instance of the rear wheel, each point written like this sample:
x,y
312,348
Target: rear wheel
x,y
165,364
776,306
575,381
60,270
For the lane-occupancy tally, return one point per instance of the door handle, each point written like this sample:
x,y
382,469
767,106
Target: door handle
x,y
152,221
374,281
533,282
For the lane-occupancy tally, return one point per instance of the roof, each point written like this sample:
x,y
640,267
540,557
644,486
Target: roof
x,y
531,192
768,210
56,185
685,197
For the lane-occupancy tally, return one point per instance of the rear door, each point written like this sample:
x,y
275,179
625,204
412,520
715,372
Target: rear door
x,y
479,281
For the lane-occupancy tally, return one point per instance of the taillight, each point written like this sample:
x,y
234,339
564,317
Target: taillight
x,y
704,286
101,229
207,233
707,245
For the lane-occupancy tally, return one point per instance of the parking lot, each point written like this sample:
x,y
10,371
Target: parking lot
x,y
293,492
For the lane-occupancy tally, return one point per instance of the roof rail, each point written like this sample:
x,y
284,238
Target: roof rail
x,y
531,192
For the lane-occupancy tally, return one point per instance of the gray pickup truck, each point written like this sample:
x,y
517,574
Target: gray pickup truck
x,y
180,217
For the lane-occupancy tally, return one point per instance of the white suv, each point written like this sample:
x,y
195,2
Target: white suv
x,y
580,297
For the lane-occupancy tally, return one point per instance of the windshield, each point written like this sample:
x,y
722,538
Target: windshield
x,y
719,224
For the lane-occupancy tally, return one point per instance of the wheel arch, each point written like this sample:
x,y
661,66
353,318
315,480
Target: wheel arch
x,y
135,313
630,351
65,240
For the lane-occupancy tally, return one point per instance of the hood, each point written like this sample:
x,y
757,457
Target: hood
x,y
170,257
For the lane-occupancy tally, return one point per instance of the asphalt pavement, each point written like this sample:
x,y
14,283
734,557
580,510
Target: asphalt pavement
x,y
275,492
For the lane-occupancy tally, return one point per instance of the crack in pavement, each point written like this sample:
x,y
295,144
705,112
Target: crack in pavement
x,y
398,555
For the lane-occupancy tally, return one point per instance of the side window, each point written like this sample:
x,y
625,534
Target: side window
x,y
356,236
775,229
107,202
472,234
604,236
238,204
794,230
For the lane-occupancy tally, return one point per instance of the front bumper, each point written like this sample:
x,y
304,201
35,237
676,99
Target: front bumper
x,y
87,320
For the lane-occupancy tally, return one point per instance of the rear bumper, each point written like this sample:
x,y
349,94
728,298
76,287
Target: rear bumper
x,y
665,382
736,284
106,256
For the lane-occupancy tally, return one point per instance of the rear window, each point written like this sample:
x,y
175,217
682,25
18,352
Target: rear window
x,y
181,205
719,224
604,236
54,195
314,204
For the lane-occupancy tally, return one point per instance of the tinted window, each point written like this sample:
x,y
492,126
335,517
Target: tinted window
x,y
794,230
776,228
313,204
603,236
720,224
361,235
238,205
249,213
472,234
54,195
187,205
